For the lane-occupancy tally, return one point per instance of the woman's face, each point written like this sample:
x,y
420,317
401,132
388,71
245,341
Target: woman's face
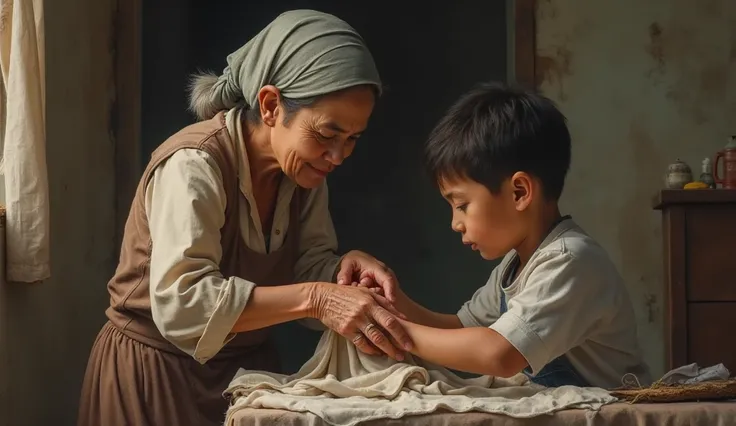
x,y
316,139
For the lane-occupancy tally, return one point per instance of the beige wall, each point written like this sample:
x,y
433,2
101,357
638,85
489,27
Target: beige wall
x,y
49,327
642,83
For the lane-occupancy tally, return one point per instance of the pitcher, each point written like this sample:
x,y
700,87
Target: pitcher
x,y
728,153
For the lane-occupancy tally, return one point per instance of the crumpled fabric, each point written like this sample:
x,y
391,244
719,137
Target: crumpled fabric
x,y
344,387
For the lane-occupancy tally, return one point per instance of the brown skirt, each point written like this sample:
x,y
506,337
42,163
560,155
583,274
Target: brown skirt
x,y
129,383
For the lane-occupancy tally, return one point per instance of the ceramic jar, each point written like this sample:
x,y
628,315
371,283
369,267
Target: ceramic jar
x,y
678,174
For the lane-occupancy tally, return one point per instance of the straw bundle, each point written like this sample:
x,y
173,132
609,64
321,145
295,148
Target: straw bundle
x,y
661,392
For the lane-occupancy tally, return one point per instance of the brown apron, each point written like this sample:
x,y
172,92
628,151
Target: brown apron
x,y
135,377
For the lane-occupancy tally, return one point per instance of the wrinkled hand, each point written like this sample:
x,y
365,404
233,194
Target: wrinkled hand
x,y
363,270
363,317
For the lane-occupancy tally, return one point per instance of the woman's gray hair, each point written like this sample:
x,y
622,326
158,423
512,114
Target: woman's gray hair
x,y
304,53
201,101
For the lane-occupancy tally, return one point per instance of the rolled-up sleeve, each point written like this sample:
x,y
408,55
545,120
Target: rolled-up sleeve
x,y
192,304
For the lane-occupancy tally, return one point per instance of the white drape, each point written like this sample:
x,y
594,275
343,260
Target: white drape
x,y
23,133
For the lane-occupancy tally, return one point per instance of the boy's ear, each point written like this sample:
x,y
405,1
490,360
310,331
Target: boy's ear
x,y
523,190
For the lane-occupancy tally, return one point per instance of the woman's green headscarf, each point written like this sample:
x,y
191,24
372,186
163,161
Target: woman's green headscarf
x,y
304,53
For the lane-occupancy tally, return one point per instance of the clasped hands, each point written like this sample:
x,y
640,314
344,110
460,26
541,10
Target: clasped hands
x,y
361,308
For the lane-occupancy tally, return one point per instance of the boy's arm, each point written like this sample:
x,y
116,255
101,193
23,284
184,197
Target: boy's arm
x,y
476,350
563,301
481,310
417,313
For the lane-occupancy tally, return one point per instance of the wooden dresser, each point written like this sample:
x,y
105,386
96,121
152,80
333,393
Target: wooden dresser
x,y
699,233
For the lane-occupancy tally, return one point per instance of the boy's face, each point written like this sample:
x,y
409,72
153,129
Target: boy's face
x,y
491,224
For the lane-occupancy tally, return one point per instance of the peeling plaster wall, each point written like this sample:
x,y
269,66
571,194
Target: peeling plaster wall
x,y
642,84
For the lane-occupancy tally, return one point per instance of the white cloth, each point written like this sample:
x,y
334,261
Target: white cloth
x,y
344,387
692,374
23,134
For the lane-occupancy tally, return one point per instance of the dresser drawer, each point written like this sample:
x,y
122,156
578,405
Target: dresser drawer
x,y
711,253
711,337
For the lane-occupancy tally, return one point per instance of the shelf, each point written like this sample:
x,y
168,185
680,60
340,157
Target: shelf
x,y
667,197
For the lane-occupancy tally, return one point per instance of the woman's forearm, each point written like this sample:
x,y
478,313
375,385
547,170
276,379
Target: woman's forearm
x,y
344,309
269,306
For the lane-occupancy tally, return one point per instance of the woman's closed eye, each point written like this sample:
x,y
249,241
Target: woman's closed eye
x,y
326,137
462,207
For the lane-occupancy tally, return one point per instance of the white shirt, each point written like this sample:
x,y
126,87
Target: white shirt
x,y
569,299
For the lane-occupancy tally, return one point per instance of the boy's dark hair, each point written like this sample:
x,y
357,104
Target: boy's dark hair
x,y
496,130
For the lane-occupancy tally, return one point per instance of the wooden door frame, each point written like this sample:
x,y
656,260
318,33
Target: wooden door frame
x,y
126,113
522,42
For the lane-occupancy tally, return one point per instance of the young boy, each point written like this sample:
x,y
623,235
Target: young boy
x,y
555,307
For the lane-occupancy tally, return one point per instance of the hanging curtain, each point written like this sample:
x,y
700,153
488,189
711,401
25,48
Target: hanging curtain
x,y
23,135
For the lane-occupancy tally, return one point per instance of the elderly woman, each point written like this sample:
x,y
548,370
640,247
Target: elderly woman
x,y
229,232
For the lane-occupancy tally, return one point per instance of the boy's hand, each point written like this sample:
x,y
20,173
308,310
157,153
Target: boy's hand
x,y
363,270
370,285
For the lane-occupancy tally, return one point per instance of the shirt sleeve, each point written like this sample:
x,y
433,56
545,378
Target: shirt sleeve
x,y
557,308
317,243
484,307
192,304
318,260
